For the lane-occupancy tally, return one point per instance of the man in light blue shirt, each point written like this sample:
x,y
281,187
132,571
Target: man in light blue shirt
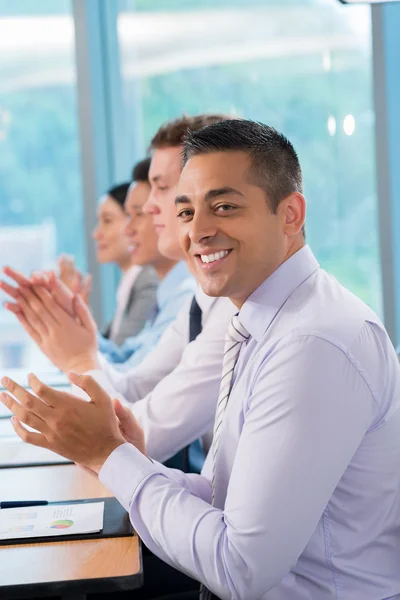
x,y
299,498
174,291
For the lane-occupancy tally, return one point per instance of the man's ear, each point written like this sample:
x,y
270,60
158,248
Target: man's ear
x,y
293,212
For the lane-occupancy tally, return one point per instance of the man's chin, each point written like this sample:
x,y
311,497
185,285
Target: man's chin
x,y
212,288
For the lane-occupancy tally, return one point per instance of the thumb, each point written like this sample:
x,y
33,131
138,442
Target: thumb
x,y
123,413
93,389
83,313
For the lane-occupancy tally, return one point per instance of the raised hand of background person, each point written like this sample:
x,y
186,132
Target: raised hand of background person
x,y
47,279
73,278
69,341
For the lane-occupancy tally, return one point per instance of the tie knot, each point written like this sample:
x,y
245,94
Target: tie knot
x,y
236,331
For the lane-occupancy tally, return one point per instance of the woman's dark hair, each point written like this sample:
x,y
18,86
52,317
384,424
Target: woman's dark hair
x,y
118,193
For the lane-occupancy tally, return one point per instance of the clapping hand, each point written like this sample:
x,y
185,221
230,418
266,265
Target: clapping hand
x,y
56,319
85,432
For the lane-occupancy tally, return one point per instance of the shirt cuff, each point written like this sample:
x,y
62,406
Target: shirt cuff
x,y
125,471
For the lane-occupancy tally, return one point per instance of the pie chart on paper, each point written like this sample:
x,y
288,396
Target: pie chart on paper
x,y
61,524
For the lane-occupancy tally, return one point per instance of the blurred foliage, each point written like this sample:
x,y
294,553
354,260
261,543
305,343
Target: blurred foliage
x,y
40,154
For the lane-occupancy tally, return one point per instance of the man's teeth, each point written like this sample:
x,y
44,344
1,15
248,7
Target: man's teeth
x,y
208,258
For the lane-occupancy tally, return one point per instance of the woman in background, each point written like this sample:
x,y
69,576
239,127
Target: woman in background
x,y
136,294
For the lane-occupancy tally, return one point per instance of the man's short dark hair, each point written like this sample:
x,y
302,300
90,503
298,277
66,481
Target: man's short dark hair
x,y
275,165
118,193
140,172
173,133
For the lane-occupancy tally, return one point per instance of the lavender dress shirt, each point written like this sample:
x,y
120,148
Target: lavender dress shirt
x,y
307,503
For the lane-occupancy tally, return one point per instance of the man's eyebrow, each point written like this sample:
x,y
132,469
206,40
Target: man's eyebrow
x,y
182,200
224,191
136,207
156,178
211,194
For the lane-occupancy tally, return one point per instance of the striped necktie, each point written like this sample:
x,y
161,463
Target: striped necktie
x,y
234,339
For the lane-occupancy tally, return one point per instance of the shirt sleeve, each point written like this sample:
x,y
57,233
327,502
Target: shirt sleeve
x,y
181,408
136,383
304,398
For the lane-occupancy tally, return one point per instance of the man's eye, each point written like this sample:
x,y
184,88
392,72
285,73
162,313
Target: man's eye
x,y
224,207
162,188
184,214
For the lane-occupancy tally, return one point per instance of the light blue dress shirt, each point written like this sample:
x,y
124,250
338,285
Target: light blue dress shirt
x,y
307,503
173,292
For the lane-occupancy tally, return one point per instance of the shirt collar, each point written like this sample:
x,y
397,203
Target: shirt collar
x,y
205,302
173,279
261,307
128,278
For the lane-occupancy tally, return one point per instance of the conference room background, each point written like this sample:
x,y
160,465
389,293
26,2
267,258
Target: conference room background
x,y
85,84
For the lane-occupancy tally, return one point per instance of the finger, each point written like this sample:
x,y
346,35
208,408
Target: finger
x,y
86,288
87,284
65,259
23,414
30,402
12,307
29,329
51,397
77,282
60,316
40,278
9,289
123,413
16,276
84,315
93,389
30,437
47,315
32,317
62,294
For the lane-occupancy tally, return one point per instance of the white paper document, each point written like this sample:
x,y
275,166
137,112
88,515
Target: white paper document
x,y
52,520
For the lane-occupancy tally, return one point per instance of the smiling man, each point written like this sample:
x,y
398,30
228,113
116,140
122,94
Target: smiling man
x,y
299,497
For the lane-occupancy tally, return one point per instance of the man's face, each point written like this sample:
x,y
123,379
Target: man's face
x,y
143,243
226,227
165,170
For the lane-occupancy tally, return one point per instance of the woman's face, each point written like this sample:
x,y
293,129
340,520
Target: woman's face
x,y
112,245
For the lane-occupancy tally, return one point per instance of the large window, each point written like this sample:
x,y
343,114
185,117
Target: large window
x,y
41,211
303,67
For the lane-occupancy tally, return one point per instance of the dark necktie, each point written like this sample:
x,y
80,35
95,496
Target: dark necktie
x,y
195,326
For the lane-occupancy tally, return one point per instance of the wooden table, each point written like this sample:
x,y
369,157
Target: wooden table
x,y
71,568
